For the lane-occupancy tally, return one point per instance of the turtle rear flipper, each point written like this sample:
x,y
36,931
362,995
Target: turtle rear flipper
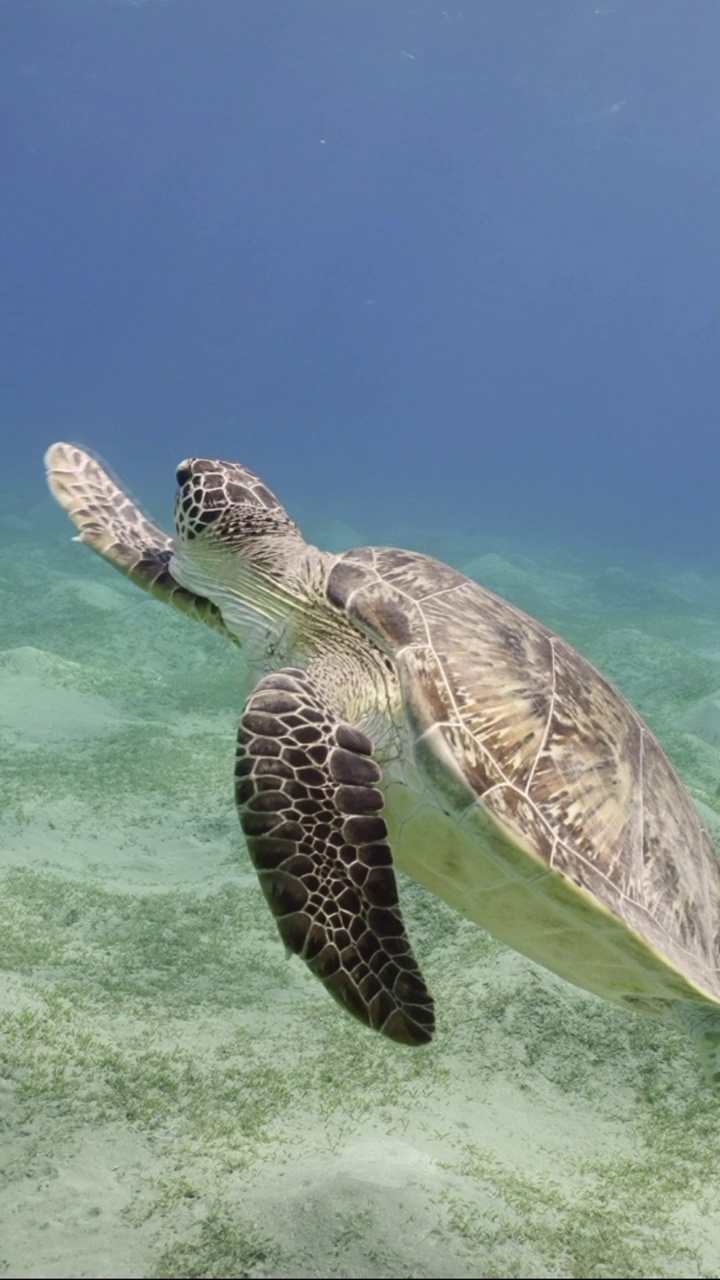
x,y
111,524
309,802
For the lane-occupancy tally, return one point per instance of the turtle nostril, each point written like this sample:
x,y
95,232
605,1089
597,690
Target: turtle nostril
x,y
183,474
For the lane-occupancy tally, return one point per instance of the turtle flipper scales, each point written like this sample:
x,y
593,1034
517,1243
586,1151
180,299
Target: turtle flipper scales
x,y
111,524
309,802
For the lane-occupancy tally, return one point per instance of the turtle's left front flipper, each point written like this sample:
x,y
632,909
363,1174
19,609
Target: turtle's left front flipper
x,y
309,803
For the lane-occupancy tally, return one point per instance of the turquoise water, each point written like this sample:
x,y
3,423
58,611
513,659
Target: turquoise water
x,y
181,1100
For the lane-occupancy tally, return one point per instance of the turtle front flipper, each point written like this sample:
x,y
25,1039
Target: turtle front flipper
x,y
309,802
111,524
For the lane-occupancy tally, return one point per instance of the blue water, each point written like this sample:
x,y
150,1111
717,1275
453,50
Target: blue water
x,y
449,258
445,275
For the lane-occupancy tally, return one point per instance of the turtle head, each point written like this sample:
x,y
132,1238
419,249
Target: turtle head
x,y
234,542
224,505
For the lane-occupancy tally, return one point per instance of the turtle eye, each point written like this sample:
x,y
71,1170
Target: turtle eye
x,y
183,474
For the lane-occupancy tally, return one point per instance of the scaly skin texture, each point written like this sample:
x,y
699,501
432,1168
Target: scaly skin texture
x,y
525,789
304,777
307,789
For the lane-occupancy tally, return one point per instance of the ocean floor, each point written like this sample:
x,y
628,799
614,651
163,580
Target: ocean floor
x,y
178,1099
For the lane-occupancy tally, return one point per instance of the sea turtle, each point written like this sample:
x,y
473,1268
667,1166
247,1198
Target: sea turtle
x,y
402,714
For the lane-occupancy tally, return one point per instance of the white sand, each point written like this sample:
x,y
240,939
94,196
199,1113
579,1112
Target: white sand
x,y
177,1099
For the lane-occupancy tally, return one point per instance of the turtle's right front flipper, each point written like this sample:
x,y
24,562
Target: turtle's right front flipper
x,y
309,802
111,524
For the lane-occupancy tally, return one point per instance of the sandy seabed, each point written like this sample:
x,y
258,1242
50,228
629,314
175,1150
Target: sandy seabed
x,y
178,1099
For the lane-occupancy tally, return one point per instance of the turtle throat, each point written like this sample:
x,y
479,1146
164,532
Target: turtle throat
x,y
263,607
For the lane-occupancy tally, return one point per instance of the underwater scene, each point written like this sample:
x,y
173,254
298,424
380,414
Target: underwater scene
x,y
433,277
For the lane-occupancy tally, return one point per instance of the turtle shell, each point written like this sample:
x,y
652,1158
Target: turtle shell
x,y
508,723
